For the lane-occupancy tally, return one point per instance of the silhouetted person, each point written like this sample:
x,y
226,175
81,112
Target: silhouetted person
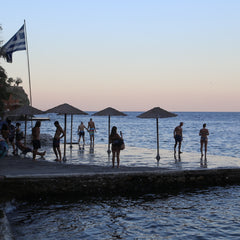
x,y
56,141
21,146
204,140
36,139
116,142
91,130
81,132
5,132
177,134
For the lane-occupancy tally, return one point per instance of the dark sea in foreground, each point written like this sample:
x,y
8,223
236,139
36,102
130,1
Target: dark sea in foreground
x,y
211,213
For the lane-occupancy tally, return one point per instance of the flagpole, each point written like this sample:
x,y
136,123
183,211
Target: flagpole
x,y
29,77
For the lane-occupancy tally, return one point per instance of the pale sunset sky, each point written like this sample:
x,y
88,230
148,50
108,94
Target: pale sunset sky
x,y
132,55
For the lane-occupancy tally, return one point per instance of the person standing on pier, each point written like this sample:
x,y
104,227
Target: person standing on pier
x,y
81,132
116,142
5,132
177,134
56,141
91,130
36,140
204,140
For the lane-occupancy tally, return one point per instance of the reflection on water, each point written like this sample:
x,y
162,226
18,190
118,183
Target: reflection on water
x,y
203,214
203,162
142,157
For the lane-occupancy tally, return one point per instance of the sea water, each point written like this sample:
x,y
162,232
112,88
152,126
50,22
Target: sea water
x,y
223,128
211,213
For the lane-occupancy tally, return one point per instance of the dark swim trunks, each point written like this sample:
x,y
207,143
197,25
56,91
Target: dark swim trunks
x,y
204,139
178,138
81,133
36,144
56,143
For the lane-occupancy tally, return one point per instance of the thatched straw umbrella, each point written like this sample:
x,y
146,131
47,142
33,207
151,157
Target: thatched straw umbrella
x,y
157,112
66,109
109,112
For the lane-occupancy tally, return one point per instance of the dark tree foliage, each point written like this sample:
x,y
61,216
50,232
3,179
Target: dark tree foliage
x,y
4,95
3,83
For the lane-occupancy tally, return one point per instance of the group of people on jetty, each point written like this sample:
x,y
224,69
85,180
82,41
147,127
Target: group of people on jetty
x,y
12,135
115,139
178,136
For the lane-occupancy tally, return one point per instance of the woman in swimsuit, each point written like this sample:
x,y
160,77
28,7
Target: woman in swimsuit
x,y
116,142
204,139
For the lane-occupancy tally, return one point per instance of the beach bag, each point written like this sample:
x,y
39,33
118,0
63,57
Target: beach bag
x,y
122,146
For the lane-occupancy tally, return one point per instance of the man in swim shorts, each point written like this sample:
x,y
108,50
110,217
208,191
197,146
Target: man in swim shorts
x,y
81,132
177,134
204,140
91,130
56,141
36,140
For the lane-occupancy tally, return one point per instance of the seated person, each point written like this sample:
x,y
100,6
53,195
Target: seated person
x,y
25,149
21,146
3,147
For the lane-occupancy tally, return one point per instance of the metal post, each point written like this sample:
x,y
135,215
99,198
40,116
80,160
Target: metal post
x,y
158,156
25,137
108,151
71,131
65,133
29,77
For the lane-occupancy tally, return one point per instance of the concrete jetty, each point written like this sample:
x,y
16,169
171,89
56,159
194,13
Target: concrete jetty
x,y
23,178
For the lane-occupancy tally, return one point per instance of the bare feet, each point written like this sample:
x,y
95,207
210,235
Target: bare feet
x,y
43,154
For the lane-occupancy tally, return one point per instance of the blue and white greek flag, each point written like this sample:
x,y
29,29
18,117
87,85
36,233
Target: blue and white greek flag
x,y
16,43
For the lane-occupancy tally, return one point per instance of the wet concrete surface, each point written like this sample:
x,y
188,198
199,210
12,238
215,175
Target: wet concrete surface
x,y
89,172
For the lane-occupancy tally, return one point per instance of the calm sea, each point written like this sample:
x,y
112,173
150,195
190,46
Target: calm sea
x,y
211,213
223,127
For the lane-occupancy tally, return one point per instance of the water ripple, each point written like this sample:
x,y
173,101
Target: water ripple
x,y
202,214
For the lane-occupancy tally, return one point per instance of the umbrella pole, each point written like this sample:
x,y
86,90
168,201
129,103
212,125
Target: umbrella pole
x,y
108,151
65,133
71,130
158,156
25,139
